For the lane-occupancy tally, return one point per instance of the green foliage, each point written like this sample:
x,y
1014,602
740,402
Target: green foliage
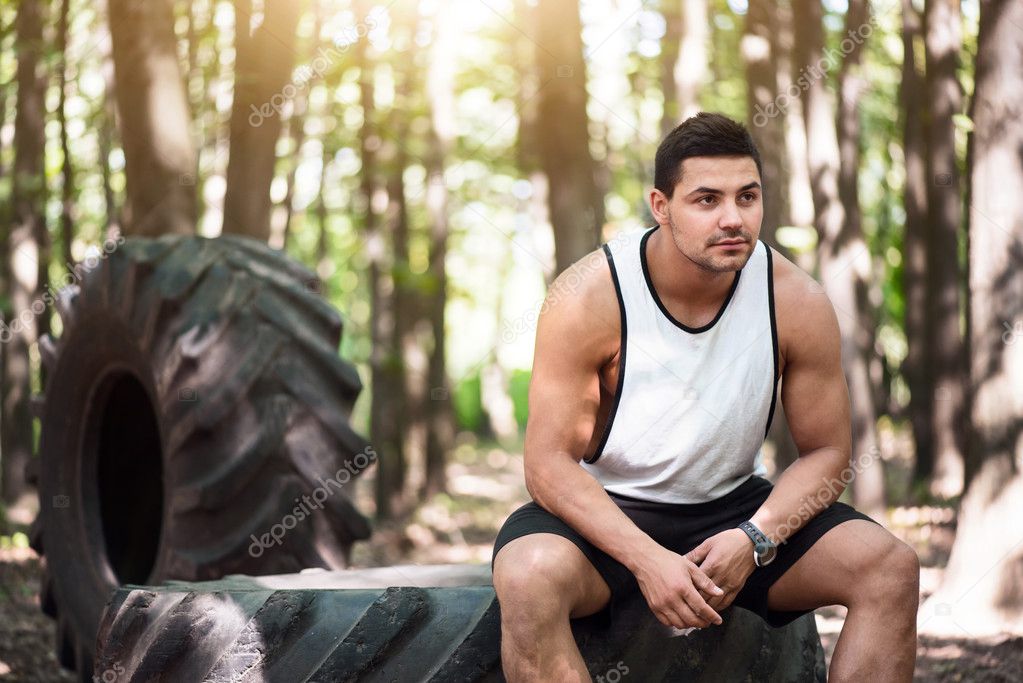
x,y
467,403
518,387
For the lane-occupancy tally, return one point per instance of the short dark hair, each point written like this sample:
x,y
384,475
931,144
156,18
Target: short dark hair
x,y
704,135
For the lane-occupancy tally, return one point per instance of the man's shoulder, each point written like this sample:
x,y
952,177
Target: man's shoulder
x,y
585,285
803,312
581,308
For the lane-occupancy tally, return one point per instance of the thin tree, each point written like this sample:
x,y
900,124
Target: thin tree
x,y
766,122
153,111
691,67
946,361
107,117
671,41
67,172
385,408
576,203
27,243
264,61
296,131
915,368
856,259
980,590
795,168
841,246
440,86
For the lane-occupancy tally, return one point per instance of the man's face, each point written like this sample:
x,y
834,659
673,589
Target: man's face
x,y
717,201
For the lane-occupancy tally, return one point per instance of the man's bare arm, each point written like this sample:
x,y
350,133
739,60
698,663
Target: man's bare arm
x,y
816,401
578,334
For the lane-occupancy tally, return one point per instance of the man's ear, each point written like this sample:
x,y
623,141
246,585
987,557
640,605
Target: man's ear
x,y
659,205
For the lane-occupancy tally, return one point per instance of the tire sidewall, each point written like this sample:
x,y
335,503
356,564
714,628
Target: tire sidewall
x,y
100,346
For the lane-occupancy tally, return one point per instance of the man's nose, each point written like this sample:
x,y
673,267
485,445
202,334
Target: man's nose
x,y
730,217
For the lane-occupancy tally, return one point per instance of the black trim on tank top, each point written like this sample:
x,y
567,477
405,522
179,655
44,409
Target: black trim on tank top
x,y
621,363
774,335
660,304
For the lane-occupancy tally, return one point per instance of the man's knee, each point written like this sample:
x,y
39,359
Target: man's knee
x,y
893,578
903,567
544,577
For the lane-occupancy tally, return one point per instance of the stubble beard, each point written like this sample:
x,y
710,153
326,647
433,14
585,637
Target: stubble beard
x,y
703,260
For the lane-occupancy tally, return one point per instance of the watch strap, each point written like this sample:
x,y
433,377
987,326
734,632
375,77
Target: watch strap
x,y
755,534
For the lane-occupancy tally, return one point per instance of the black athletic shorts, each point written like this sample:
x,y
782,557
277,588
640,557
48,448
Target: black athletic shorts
x,y
680,528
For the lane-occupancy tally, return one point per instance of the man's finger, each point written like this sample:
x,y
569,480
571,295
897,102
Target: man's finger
x,y
699,553
704,582
690,618
696,603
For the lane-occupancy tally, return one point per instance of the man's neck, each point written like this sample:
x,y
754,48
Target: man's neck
x,y
682,284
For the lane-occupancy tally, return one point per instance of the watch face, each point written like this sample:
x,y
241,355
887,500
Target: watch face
x,y
766,553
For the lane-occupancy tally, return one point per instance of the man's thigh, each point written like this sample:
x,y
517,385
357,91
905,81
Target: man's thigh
x,y
833,568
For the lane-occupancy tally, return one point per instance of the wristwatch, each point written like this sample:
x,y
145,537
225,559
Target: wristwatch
x,y
764,549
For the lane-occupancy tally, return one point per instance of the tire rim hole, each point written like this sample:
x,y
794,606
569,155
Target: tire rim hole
x,y
129,478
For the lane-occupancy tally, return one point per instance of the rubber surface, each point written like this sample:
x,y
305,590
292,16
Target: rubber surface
x,y
194,395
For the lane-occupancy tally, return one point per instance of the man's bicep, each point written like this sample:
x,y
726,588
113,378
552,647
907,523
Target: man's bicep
x,y
814,392
564,391
577,334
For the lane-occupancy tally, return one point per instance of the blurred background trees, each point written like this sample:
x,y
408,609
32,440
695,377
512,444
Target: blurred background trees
x,y
438,163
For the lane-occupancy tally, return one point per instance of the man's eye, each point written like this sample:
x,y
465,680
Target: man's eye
x,y
709,199
749,197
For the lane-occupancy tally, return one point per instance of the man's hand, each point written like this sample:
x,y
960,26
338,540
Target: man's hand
x,y
674,588
727,560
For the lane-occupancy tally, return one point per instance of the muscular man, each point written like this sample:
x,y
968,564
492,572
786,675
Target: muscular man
x,y
655,377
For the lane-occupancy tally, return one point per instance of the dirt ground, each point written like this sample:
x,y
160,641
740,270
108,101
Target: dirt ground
x,y
485,486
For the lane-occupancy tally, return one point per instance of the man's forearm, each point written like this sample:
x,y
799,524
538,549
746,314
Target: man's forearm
x,y
565,489
809,485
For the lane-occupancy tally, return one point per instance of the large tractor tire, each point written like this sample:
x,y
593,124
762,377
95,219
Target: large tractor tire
x,y
410,624
194,397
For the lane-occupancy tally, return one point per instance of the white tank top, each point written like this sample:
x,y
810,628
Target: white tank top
x,y
693,405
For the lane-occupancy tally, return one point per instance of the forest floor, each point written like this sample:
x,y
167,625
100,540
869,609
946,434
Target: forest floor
x,y
485,486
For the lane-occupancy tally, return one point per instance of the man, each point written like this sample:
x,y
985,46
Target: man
x,y
654,382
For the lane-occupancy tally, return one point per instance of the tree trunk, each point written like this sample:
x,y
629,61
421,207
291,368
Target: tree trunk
x,y
159,154
795,168
767,125
851,251
691,67
943,41
981,589
296,131
407,368
671,41
105,142
576,204
263,64
26,243
385,408
841,248
527,144
67,173
916,367
443,132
